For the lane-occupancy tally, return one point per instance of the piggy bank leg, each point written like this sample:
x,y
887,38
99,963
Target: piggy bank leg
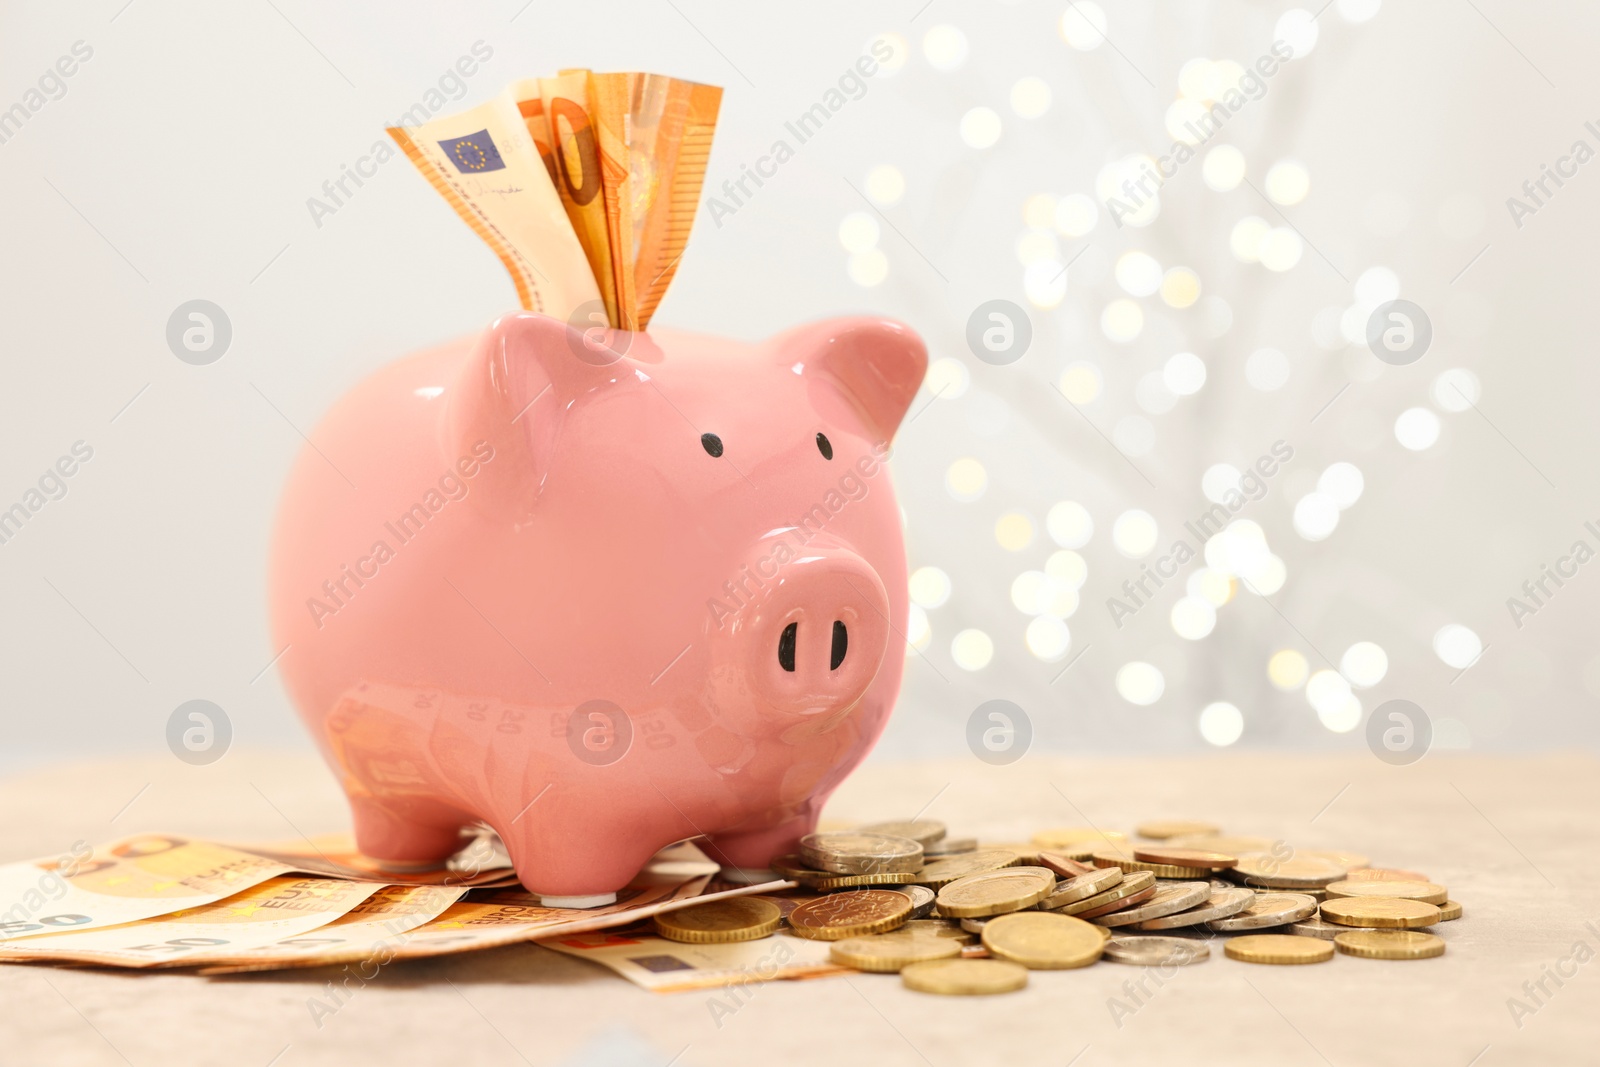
x,y
745,855
582,870
407,837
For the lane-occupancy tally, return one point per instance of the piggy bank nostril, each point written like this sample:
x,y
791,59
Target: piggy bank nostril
x,y
841,641
786,641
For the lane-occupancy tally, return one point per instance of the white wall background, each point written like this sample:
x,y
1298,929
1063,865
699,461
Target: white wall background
x,y
178,165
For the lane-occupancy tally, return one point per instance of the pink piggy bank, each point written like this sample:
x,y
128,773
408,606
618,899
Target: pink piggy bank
x,y
601,602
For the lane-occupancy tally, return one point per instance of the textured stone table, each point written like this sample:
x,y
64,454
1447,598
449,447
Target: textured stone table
x,y
1514,839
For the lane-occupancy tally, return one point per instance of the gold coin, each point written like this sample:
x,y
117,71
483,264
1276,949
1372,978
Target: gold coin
x,y
1026,852
1291,872
720,921
853,914
1278,948
1385,912
1449,910
1385,874
964,977
1426,892
996,892
1081,887
1269,909
1185,857
1169,828
1116,857
1043,940
1389,944
854,852
923,831
942,872
886,953
1131,886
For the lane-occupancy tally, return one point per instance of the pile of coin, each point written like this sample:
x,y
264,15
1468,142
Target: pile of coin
x,y
959,917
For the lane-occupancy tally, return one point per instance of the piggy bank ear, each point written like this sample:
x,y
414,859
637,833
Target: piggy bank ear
x,y
521,376
878,364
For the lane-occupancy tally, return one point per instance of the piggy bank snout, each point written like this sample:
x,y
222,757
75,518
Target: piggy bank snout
x,y
820,635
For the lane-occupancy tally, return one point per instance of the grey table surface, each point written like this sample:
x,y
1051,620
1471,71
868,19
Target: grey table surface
x,y
1514,839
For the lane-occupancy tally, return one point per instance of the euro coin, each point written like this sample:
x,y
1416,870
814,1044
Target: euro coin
x,y
1026,853
1290,872
996,892
1268,909
923,831
948,928
1449,910
854,852
1127,886
1426,892
795,869
828,883
1115,905
1219,904
1379,912
1168,900
1170,828
1064,866
1315,927
1185,857
1081,887
887,953
942,872
853,914
1119,857
1389,944
1156,951
921,900
720,921
1278,948
1043,940
964,977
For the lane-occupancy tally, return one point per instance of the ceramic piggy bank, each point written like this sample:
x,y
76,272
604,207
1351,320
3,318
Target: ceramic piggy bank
x,y
600,593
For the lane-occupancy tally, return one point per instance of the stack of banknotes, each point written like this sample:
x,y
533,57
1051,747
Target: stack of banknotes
x,y
167,900
584,185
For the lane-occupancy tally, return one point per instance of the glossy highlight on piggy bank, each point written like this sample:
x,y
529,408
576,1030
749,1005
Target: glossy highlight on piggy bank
x,y
602,591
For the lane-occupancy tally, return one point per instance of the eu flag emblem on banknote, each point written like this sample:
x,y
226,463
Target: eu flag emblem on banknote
x,y
473,153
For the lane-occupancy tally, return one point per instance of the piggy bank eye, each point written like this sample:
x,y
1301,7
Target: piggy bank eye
x,y
711,443
824,446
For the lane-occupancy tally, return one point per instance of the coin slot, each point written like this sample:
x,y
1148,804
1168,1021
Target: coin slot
x,y
786,642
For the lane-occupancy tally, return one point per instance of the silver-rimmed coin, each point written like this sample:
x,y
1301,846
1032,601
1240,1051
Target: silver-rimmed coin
x,y
1167,901
1221,904
1268,909
1155,951
1081,887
